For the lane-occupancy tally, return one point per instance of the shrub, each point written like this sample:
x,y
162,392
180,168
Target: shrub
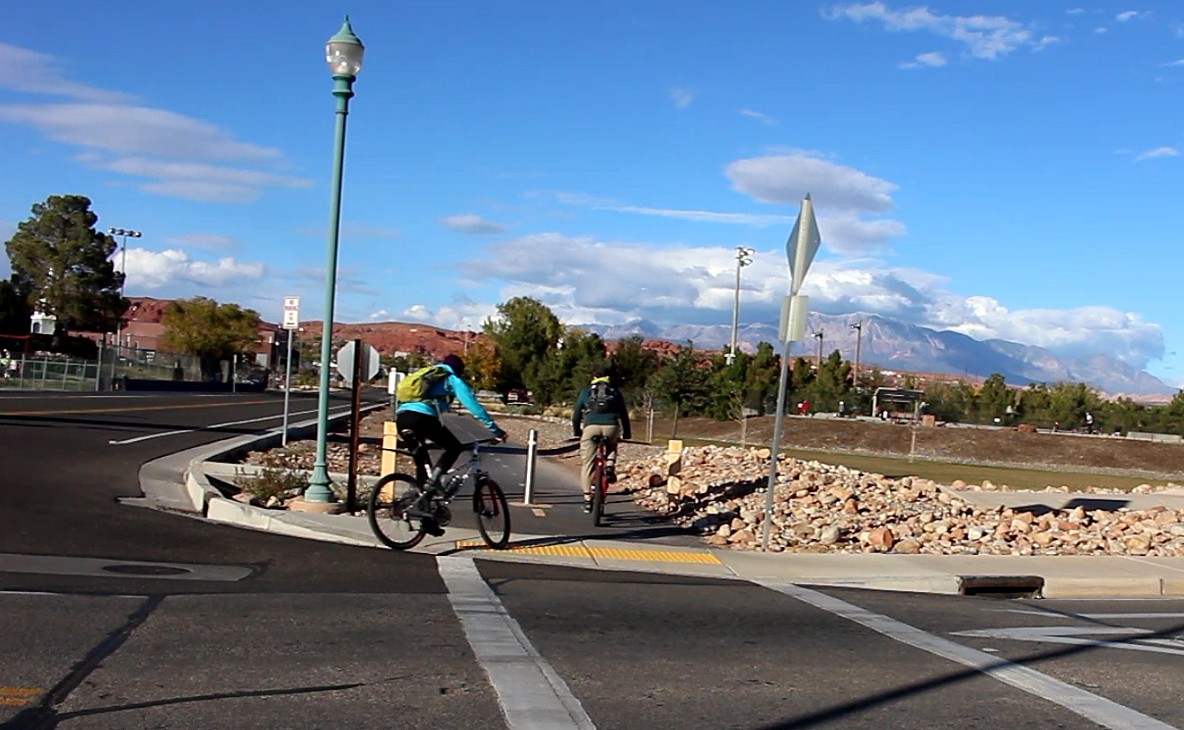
x,y
272,482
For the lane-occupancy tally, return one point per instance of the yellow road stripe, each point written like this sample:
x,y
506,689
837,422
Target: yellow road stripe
x,y
135,408
579,551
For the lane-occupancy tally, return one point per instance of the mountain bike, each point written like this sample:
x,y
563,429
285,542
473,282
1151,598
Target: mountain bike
x,y
399,503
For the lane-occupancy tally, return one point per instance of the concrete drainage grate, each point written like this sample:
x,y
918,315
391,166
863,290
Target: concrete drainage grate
x,y
1001,586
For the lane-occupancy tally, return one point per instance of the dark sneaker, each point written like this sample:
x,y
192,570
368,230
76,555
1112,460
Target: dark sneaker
x,y
588,506
432,528
610,474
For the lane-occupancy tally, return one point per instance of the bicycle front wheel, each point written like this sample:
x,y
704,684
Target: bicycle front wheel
x,y
393,497
493,513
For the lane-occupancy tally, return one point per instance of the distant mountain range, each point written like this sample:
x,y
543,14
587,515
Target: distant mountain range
x,y
893,345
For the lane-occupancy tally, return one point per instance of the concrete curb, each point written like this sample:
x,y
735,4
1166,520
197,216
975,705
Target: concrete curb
x,y
1052,576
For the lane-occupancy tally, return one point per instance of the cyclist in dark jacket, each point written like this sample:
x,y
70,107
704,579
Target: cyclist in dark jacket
x,y
600,410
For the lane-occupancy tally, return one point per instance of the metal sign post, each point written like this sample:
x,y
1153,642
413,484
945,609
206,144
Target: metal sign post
x,y
800,248
290,323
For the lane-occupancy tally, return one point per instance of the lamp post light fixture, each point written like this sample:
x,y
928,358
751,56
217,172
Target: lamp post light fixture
x,y
743,258
818,336
123,233
344,54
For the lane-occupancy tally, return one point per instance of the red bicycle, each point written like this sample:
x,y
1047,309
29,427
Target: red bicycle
x,y
601,478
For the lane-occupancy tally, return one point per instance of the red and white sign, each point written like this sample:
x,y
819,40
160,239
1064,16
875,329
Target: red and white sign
x,y
291,313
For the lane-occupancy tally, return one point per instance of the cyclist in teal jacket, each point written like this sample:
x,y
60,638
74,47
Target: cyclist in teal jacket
x,y
422,417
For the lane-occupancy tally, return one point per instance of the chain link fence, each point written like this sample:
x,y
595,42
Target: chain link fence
x,y
114,365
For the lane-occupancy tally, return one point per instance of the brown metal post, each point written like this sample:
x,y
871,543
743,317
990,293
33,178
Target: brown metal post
x,y
351,490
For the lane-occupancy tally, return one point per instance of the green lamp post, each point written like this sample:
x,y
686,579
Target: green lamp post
x,y
343,53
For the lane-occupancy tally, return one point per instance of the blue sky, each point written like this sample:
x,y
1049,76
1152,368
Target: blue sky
x,y
1004,169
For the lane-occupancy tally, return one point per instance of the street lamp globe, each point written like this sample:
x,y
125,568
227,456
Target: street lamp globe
x,y
344,52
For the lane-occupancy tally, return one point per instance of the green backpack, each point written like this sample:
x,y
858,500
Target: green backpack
x,y
417,385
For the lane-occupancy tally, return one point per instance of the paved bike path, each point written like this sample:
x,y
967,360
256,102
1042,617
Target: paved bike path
x,y
552,529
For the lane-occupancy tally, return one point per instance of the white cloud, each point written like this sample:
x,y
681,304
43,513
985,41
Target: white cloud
x,y
984,36
681,97
205,241
201,182
1158,152
698,216
926,60
168,269
183,157
460,316
1101,30
587,280
136,130
1075,11
361,230
785,180
702,216
760,117
473,224
22,69
1179,62
1128,15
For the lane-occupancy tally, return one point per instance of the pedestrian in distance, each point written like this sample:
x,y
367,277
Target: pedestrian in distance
x,y
599,412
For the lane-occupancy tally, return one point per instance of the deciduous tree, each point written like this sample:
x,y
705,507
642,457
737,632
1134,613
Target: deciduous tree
x,y
209,330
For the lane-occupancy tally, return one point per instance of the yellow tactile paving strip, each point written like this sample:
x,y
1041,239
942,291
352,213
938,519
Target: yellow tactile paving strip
x,y
17,696
579,551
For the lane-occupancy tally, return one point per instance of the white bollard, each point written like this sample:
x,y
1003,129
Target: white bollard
x,y
532,447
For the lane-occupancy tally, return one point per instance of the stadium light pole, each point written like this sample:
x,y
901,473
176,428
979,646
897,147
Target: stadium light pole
x,y
818,336
123,233
858,327
344,54
743,258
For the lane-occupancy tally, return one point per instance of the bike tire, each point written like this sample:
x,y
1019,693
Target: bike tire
x,y
598,490
386,510
492,513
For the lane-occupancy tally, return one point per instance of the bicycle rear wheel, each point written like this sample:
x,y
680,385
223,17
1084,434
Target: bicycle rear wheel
x,y
393,496
492,512
599,487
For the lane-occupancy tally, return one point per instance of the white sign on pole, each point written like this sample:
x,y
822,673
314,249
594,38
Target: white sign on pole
x,y
291,313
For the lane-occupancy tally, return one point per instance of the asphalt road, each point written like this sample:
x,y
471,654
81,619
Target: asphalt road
x,y
280,632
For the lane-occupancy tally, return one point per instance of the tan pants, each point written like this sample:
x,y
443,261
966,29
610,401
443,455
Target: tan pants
x,y
588,452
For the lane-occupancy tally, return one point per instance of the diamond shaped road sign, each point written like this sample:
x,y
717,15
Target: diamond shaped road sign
x,y
802,245
371,366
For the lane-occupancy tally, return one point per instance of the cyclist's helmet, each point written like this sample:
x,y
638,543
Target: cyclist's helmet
x,y
457,365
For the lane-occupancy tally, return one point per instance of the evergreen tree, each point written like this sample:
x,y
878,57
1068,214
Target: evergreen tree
x,y
681,383
63,265
526,334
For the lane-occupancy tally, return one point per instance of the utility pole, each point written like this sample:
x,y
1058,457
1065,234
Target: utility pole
x,y
858,327
743,258
818,336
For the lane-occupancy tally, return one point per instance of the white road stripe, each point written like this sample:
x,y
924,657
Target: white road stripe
x,y
1097,709
531,694
205,428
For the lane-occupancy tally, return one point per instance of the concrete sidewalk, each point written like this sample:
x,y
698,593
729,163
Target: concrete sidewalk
x,y
179,483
